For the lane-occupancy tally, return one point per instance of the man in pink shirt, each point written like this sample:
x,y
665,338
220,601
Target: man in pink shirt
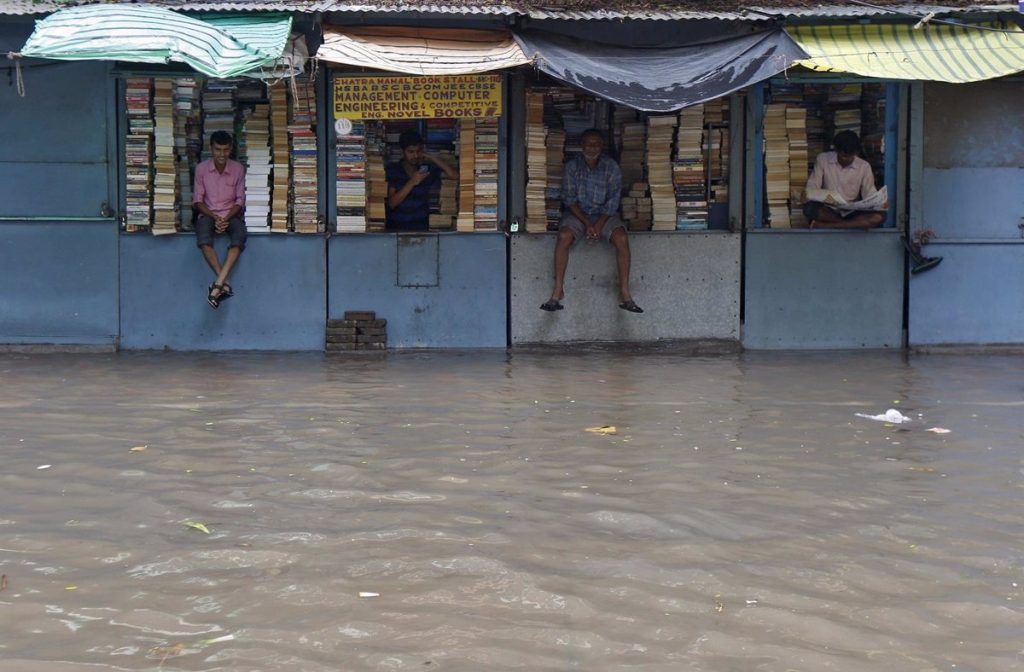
x,y
844,172
219,196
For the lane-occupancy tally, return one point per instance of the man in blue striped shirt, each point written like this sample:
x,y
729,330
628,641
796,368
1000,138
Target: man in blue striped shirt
x,y
591,189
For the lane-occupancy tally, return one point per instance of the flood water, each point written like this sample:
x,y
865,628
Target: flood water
x,y
448,511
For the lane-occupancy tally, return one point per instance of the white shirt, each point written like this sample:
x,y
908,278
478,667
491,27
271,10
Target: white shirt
x,y
854,182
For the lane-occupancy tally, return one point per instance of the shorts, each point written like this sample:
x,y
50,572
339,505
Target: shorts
x,y
571,222
812,208
205,232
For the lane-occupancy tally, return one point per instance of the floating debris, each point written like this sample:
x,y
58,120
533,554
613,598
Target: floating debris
x,y
43,466
197,526
364,593
892,415
603,429
3,582
938,430
165,652
138,449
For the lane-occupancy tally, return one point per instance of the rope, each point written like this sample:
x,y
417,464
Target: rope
x,y
20,82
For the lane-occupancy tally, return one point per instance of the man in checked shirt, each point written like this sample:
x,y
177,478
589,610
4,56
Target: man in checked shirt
x,y
591,189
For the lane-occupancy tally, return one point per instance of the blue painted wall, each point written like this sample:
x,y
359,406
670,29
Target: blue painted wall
x,y
973,297
54,152
823,289
435,290
59,283
973,198
280,303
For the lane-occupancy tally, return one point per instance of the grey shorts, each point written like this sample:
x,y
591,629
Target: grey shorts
x,y
235,232
579,232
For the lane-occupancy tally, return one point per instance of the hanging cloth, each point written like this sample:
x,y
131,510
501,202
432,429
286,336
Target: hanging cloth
x,y
662,78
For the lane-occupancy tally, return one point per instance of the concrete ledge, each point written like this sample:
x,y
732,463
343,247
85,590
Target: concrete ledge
x,y
687,283
62,348
827,290
280,303
689,347
981,349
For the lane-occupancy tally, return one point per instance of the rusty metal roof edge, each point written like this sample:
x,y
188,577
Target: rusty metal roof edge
x,y
748,13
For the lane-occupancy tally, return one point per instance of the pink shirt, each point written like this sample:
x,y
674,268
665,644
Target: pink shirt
x,y
853,182
219,191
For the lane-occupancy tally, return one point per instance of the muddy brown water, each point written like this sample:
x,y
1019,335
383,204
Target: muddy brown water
x,y
448,511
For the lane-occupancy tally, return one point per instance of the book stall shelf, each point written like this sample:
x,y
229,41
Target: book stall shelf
x,y
800,120
167,124
465,134
675,166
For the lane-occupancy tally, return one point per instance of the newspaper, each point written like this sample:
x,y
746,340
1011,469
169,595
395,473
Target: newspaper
x,y
878,201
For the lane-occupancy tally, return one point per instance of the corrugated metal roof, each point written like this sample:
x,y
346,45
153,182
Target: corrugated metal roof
x,y
667,10
895,10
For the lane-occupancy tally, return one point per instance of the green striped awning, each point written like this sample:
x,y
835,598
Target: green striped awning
x,y
222,46
942,53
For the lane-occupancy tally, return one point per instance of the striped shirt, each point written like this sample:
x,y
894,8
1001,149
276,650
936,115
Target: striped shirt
x,y
596,190
219,191
413,213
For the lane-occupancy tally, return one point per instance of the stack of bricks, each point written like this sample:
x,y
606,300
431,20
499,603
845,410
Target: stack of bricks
x,y
359,330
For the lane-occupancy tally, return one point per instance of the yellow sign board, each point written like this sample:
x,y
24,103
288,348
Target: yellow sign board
x,y
414,97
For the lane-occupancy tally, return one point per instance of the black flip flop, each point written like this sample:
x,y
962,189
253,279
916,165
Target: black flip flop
x,y
551,306
631,306
225,293
210,298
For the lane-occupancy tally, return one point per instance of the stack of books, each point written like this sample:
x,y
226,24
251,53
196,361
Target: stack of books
x,y
636,207
279,155
554,171
376,175
256,130
351,176
776,162
138,153
796,131
536,162
660,130
304,208
440,143
467,171
716,146
218,105
631,151
485,170
688,170
187,143
845,104
165,177
443,216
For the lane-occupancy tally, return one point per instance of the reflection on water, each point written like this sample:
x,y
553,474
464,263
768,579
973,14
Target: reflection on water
x,y
741,518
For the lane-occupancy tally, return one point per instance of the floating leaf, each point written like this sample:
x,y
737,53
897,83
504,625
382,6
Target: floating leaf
x,y
138,449
603,429
197,526
70,587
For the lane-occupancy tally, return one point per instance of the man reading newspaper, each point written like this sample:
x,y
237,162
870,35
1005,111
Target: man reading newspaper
x,y
841,191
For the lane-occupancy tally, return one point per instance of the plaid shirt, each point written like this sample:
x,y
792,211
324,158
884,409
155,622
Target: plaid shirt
x,y
597,191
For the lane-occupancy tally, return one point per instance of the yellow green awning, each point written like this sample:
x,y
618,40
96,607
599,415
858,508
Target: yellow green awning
x,y
942,53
